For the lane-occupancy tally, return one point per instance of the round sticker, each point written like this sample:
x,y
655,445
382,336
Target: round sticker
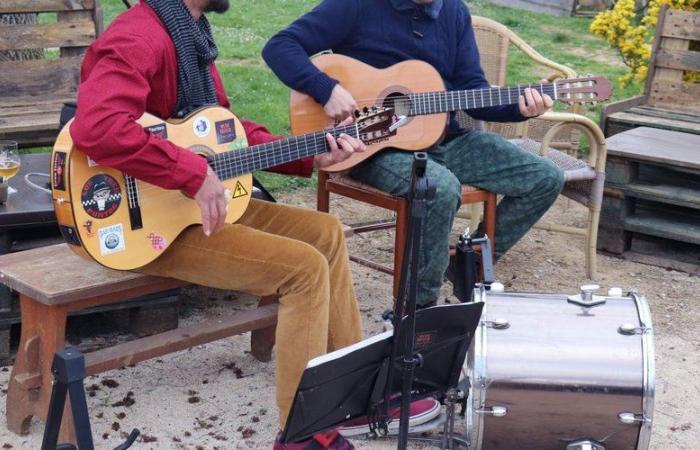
x,y
101,196
112,241
201,126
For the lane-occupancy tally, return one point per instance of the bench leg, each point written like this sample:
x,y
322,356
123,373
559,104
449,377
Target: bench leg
x,y
262,341
29,390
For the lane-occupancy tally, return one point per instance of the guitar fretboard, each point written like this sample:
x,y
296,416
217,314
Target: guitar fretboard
x,y
449,101
235,163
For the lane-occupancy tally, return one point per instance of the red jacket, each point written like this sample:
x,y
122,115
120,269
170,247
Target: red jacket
x,y
131,69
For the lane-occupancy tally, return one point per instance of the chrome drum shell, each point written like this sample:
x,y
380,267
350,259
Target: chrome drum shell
x,y
545,373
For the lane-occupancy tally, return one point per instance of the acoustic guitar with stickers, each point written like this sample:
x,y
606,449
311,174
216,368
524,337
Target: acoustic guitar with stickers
x,y
416,90
125,223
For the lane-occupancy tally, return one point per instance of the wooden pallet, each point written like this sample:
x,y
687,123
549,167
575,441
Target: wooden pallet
x,y
651,204
669,101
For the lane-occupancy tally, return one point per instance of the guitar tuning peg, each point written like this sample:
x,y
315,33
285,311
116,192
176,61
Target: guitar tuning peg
x,y
365,110
374,108
357,114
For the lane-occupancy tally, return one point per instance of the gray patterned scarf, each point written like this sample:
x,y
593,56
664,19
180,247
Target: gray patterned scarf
x,y
196,50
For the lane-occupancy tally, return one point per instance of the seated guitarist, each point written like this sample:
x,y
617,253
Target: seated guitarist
x,y
385,32
159,57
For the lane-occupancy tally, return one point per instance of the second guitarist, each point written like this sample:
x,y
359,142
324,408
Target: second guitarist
x,y
385,32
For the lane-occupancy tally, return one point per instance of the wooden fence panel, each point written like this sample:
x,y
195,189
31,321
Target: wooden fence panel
x,y
22,6
555,7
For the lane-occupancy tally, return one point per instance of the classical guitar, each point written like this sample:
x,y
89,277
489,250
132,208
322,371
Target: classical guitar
x,y
125,223
415,90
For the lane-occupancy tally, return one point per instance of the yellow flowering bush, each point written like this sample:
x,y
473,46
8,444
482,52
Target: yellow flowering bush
x,y
631,31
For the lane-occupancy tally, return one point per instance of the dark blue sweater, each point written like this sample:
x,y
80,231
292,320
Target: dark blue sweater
x,y
382,33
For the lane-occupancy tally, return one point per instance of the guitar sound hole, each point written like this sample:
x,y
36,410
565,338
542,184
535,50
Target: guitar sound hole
x,y
399,101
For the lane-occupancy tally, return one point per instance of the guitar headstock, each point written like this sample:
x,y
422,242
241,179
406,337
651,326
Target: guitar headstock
x,y
376,124
588,89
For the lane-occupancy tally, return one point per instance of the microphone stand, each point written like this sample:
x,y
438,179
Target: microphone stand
x,y
421,190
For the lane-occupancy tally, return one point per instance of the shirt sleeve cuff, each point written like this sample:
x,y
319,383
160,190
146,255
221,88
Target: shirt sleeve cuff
x,y
320,87
190,171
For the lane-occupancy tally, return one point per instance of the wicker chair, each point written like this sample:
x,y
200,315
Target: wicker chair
x,y
554,135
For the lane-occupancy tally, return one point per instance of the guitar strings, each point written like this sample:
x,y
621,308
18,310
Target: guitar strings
x,y
235,160
149,199
546,88
419,100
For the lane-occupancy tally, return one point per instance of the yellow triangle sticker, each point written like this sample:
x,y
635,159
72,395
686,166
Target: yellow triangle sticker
x,y
239,191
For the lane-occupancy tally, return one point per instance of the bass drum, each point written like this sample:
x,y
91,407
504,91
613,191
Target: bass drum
x,y
550,374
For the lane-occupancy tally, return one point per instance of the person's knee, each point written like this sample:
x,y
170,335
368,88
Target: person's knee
x,y
448,194
310,275
552,177
330,234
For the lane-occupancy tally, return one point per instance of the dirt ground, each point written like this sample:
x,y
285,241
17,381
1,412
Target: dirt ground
x,y
217,396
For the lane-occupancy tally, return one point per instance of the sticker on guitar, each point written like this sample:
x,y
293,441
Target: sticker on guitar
x,y
111,239
101,196
158,242
201,126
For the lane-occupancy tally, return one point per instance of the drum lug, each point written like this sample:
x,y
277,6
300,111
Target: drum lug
x,y
585,444
629,329
586,298
629,418
496,324
495,411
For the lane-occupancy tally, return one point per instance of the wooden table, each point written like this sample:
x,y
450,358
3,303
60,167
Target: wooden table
x,y
651,207
27,221
26,218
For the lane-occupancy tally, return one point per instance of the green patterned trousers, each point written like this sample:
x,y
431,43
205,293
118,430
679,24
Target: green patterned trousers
x,y
529,184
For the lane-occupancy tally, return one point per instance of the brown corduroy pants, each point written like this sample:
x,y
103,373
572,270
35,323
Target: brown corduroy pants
x,y
297,253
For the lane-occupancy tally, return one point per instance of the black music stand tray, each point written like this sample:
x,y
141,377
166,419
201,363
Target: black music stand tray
x,y
348,383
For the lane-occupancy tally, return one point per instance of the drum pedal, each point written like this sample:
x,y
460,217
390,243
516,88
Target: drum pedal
x,y
466,267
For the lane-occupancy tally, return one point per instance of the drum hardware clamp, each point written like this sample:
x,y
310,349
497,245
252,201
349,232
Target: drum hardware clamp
x,y
629,418
495,411
585,444
496,324
587,298
629,329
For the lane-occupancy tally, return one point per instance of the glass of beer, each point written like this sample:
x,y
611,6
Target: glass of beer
x,y
9,162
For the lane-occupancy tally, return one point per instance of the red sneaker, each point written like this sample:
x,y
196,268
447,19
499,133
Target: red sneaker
x,y
329,440
422,411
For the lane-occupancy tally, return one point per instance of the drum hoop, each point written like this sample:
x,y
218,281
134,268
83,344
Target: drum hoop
x,y
648,367
477,375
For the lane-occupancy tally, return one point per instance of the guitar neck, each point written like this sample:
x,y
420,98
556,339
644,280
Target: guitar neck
x,y
235,163
449,101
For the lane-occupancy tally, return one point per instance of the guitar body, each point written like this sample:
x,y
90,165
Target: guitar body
x,y
124,223
374,87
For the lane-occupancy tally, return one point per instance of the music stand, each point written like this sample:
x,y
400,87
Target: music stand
x,y
348,383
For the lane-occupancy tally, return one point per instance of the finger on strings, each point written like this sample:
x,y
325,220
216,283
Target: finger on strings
x,y
345,144
529,100
523,106
331,142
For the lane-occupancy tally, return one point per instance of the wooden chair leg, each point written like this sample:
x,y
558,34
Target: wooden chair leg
x,y
322,194
400,242
490,219
29,390
475,215
263,340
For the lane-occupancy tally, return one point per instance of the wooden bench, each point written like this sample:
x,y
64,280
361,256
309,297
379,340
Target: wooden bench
x,y
668,101
40,64
53,282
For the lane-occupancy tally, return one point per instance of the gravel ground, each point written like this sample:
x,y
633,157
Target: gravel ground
x,y
217,396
